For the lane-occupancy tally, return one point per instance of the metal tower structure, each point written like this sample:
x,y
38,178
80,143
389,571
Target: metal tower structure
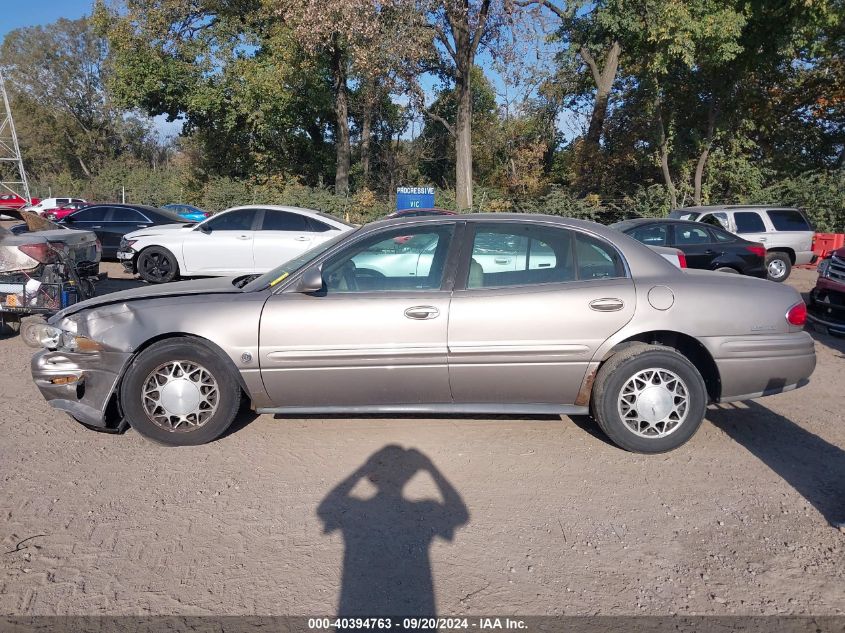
x,y
11,179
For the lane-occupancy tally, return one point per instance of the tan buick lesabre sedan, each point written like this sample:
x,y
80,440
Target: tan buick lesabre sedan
x,y
514,314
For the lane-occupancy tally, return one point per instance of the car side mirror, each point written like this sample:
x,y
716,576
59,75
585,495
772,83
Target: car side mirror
x,y
311,280
69,219
205,229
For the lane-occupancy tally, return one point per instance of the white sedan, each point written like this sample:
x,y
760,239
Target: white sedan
x,y
238,241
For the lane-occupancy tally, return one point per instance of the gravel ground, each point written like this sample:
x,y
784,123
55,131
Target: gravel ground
x,y
499,515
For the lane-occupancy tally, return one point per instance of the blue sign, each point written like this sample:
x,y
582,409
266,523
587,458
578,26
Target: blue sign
x,y
414,198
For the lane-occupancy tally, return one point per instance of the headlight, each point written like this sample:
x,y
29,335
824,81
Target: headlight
x,y
126,244
47,335
55,338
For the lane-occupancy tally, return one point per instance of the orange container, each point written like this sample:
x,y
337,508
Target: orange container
x,y
823,243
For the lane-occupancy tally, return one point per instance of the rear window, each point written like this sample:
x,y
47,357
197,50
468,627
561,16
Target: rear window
x,y
788,220
749,222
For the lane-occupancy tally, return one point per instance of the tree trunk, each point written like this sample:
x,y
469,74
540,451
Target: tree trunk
x,y
366,132
341,110
604,84
463,141
705,152
663,145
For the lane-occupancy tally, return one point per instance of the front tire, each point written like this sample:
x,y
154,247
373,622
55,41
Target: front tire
x,y
180,393
778,266
649,399
157,265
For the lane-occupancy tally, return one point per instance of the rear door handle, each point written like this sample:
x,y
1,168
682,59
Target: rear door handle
x,y
98,226
502,260
607,304
420,313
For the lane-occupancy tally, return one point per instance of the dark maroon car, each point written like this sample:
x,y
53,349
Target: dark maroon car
x,y
827,299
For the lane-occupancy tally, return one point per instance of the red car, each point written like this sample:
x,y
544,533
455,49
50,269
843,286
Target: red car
x,y
61,212
14,201
827,299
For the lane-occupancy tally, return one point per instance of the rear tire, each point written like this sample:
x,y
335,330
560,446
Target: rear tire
x,y
180,393
778,266
157,265
649,399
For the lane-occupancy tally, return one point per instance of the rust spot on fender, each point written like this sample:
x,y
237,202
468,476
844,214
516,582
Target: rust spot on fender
x,y
583,398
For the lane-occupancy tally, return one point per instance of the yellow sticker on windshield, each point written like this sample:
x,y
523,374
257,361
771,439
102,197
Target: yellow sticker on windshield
x,y
281,277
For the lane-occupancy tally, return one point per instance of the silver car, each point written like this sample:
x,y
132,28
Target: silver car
x,y
501,313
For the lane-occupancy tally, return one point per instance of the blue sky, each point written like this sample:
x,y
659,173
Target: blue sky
x,y
17,13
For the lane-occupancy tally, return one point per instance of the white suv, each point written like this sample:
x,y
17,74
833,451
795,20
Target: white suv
x,y
52,203
784,231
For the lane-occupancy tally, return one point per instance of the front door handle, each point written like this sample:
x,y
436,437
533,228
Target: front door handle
x,y
607,304
422,312
302,238
244,237
98,226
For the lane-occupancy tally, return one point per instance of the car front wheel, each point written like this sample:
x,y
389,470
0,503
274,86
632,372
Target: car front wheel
x,y
649,399
179,392
157,265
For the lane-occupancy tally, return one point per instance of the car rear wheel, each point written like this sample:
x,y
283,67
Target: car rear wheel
x,y
180,393
157,265
778,266
649,399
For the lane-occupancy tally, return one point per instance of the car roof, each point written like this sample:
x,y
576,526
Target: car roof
x,y
300,210
642,221
733,207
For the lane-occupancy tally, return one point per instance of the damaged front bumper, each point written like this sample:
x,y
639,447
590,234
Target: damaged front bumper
x,y
81,384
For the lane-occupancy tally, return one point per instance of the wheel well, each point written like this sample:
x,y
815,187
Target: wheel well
x,y
686,345
788,251
114,414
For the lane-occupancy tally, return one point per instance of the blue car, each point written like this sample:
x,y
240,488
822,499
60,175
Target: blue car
x,y
188,211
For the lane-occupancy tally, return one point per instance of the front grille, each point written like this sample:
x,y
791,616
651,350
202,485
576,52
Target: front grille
x,y
836,269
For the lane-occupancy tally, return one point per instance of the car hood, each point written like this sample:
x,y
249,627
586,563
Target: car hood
x,y
158,230
217,285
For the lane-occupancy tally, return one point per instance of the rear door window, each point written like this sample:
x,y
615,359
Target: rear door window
x,y
691,235
596,259
513,255
788,220
122,214
749,222
284,221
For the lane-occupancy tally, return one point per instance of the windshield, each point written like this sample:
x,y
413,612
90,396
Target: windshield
x,y
280,273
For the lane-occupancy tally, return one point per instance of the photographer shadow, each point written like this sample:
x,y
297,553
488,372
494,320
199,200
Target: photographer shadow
x,y
386,563
814,467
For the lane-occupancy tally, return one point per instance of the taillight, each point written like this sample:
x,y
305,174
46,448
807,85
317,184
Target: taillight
x,y
42,253
682,259
797,314
758,249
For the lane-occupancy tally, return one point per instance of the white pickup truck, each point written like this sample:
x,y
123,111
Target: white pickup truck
x,y
785,232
